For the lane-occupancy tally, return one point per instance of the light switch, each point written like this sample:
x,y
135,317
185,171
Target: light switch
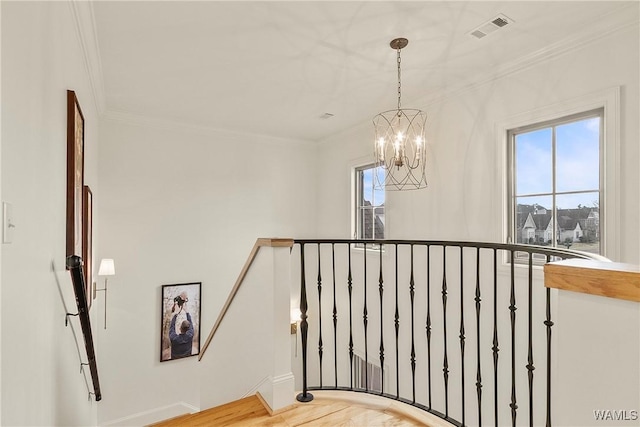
x,y
7,222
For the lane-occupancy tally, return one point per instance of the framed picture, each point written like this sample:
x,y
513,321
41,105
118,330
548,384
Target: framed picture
x,y
75,174
87,241
180,321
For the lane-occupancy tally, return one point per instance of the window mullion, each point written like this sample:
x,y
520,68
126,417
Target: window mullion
x,y
511,188
554,209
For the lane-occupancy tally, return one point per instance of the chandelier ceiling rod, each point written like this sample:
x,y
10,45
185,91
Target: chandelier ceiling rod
x,y
398,44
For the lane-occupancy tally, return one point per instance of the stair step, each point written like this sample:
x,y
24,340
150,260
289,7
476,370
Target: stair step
x,y
228,413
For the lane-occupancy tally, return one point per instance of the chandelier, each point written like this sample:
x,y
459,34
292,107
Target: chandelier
x,y
400,142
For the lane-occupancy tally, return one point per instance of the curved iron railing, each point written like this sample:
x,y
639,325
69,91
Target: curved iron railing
x,y
465,295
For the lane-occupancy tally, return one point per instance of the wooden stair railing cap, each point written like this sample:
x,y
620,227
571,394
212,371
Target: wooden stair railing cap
x,y
608,279
274,242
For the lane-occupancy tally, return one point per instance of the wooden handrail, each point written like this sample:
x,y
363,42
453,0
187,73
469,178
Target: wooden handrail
x,y
74,264
607,279
273,243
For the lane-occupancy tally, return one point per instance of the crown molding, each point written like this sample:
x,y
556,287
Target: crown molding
x,y
622,19
142,120
619,20
84,19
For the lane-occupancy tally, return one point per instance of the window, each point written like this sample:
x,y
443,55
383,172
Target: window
x,y
555,185
369,203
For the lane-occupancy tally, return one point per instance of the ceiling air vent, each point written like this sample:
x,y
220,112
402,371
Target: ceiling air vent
x,y
500,21
489,27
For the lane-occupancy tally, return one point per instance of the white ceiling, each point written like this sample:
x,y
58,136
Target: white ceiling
x,y
275,68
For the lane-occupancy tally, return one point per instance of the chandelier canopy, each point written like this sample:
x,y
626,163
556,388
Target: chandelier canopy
x,y
400,142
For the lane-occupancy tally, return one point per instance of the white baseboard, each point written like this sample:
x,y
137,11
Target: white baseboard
x,y
153,415
278,392
275,392
257,387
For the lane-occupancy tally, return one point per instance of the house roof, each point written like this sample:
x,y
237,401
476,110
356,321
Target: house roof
x,y
568,219
378,225
541,220
567,223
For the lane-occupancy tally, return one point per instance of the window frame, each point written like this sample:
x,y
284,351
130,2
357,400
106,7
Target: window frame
x,y
609,99
512,196
357,180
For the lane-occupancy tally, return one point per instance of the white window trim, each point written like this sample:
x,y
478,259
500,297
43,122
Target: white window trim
x,y
608,99
353,193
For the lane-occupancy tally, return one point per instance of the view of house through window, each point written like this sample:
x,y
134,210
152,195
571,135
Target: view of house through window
x,y
555,187
369,206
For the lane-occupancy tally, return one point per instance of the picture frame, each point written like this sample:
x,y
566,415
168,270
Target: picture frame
x,y
180,308
75,174
87,241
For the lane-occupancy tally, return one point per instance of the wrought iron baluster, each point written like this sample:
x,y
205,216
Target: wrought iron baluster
x,y
320,352
428,327
462,336
305,396
350,289
335,315
478,299
495,348
512,314
548,323
397,326
381,290
530,366
365,322
413,347
445,363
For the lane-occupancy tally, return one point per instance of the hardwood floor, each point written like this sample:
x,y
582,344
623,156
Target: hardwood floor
x,y
327,409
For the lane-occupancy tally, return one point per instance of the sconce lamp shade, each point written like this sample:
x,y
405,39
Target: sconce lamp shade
x,y
107,267
295,315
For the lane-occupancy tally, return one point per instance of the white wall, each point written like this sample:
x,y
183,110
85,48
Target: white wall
x,y
3,218
179,205
249,352
598,359
465,200
41,59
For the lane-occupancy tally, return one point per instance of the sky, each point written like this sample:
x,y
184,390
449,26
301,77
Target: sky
x,y
376,197
577,164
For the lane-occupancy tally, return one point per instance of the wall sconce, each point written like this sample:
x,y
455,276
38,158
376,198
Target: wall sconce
x,y
295,318
107,268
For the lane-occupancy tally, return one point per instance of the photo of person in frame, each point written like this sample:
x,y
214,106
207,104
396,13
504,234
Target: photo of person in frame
x,y
180,336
